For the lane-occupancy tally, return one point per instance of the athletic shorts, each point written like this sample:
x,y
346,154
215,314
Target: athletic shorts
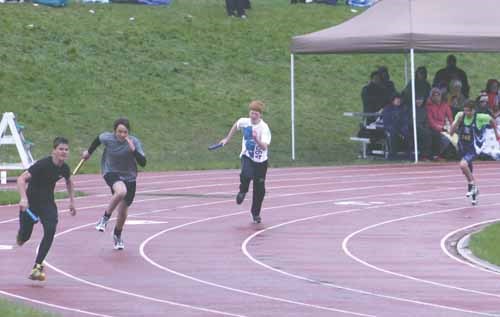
x,y
467,152
253,169
112,178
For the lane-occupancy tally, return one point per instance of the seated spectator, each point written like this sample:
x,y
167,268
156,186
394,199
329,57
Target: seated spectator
x,y
482,104
454,96
445,75
395,120
492,92
440,120
491,147
373,95
422,86
424,137
496,115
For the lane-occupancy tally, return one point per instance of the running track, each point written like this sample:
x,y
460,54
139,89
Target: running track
x,y
335,241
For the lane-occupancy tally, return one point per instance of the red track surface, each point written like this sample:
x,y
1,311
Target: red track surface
x,y
348,241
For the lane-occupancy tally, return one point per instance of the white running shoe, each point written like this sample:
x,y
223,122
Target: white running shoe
x,y
119,245
474,195
101,225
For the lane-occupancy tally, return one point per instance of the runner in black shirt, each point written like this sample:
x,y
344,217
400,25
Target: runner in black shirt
x,y
37,200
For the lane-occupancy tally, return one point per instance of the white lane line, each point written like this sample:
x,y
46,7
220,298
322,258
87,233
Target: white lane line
x,y
66,308
144,222
346,241
144,200
123,292
232,289
473,265
381,176
245,251
269,197
47,264
4,247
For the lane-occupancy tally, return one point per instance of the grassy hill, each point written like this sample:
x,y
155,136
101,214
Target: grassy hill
x,y
184,73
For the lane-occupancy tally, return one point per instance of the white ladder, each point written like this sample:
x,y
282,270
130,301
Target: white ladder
x,y
12,134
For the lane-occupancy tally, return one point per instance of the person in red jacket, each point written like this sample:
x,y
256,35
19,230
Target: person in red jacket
x,y
492,92
440,119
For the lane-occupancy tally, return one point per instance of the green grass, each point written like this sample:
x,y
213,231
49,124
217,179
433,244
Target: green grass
x,y
10,309
484,244
183,82
8,197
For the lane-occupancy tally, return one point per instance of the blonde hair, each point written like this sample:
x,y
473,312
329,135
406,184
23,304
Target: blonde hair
x,y
257,105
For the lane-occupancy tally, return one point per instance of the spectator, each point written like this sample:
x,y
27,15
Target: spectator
x,y
445,75
236,8
390,89
424,137
492,92
482,104
422,86
440,120
491,147
396,130
373,95
454,96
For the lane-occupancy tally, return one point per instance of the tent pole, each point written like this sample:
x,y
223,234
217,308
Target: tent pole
x,y
415,143
292,103
406,68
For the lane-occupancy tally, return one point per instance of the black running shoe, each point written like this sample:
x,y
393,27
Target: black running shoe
x,y
257,219
240,197
19,239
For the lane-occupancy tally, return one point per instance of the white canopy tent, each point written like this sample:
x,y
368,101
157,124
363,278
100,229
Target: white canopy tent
x,y
415,25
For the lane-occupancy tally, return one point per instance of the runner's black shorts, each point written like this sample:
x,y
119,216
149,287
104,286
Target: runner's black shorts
x,y
112,178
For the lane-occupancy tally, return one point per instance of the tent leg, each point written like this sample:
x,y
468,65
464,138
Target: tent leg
x,y
292,103
406,68
415,143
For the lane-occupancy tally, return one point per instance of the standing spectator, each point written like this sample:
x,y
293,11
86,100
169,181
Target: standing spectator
x,y
440,120
445,75
236,8
422,86
492,92
387,83
373,95
424,137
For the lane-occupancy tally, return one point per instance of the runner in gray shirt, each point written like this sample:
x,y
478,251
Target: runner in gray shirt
x,y
122,152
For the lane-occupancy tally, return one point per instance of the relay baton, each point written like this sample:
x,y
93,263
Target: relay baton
x,y
215,146
77,168
32,215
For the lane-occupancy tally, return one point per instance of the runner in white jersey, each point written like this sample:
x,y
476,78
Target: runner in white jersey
x,y
122,153
254,156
